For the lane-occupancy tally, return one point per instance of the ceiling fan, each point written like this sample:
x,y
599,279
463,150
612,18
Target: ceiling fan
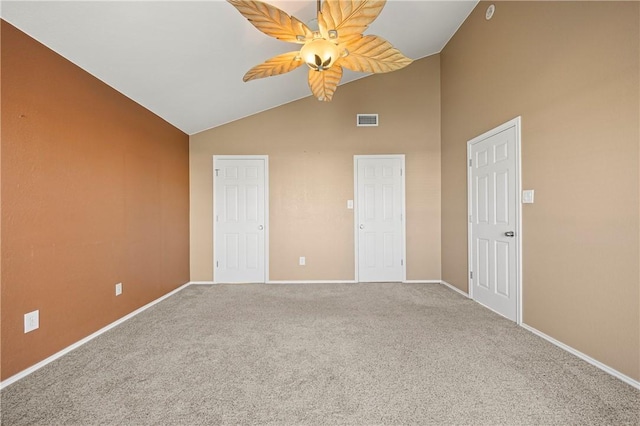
x,y
337,42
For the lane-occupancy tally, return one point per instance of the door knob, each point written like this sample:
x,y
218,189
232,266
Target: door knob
x,y
509,234
260,227
361,226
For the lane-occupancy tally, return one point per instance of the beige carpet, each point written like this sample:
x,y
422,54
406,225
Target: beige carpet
x,y
359,354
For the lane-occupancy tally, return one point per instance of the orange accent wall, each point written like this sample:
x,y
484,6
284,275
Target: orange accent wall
x,y
95,191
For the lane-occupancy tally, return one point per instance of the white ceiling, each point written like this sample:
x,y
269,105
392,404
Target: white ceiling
x,y
185,60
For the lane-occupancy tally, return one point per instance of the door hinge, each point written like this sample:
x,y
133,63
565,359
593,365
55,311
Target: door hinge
x,y
217,218
470,162
401,262
400,172
471,274
217,170
216,263
470,218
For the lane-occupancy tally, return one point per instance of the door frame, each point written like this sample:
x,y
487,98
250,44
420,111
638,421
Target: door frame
x,y
403,244
266,208
517,123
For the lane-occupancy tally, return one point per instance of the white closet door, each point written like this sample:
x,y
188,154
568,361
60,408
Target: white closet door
x,y
494,222
239,216
380,194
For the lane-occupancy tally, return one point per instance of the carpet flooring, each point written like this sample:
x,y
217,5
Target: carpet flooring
x,y
358,354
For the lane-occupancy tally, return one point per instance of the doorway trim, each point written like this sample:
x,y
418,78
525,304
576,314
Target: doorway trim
x,y
401,157
266,209
515,122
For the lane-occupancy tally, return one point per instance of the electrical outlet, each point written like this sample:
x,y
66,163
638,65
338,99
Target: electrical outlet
x,y
31,321
118,289
303,261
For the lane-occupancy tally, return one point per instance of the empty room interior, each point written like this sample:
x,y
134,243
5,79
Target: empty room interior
x,y
182,247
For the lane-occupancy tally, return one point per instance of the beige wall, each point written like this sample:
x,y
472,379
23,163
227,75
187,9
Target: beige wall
x,y
571,70
311,147
94,192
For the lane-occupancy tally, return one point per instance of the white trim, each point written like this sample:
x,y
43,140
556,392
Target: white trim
x,y
324,282
355,217
454,288
615,373
266,208
587,358
219,283
516,122
404,216
403,202
281,282
35,367
312,282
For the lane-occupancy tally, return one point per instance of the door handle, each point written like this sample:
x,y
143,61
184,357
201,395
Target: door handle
x,y
362,226
509,234
260,227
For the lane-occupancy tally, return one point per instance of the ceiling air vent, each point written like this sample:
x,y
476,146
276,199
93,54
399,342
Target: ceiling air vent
x,y
367,120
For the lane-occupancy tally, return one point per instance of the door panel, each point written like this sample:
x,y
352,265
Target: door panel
x,y
493,177
483,262
231,254
502,268
379,197
239,220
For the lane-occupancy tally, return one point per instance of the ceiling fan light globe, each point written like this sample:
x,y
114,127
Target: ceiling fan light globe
x,y
320,54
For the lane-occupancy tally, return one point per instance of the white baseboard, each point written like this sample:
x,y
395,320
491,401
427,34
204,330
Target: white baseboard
x,y
585,357
615,373
81,342
454,288
218,283
317,282
312,282
280,282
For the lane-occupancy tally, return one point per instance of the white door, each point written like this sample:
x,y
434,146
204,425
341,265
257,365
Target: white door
x,y
239,219
379,218
494,219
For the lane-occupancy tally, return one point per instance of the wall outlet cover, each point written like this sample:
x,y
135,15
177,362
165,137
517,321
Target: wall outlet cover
x,y
303,261
527,196
31,321
118,289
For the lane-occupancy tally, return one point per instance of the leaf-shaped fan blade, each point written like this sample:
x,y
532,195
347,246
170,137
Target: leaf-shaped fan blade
x,y
373,54
277,65
273,21
350,18
323,83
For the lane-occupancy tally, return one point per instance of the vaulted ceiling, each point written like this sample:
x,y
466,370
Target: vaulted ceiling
x,y
185,60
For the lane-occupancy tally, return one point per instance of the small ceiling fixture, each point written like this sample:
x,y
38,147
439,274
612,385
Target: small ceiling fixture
x,y
490,11
336,43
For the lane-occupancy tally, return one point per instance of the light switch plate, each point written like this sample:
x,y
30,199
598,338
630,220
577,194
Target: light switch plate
x,y
118,289
527,196
350,204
